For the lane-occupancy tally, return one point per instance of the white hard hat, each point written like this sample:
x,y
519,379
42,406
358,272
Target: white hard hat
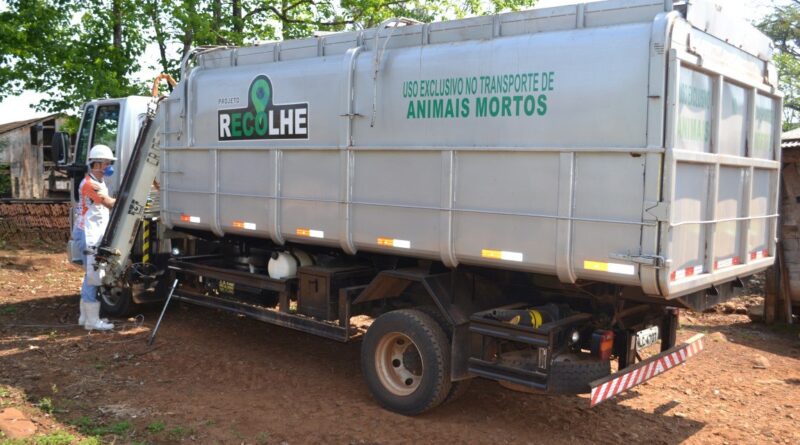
x,y
101,152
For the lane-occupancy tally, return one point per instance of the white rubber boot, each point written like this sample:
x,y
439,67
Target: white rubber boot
x,y
93,321
82,318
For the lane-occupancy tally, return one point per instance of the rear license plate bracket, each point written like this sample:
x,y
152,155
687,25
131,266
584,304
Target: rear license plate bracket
x,y
646,337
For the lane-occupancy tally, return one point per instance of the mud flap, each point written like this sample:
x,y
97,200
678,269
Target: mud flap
x,y
625,379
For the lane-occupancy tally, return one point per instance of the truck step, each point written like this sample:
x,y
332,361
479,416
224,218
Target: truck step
x,y
298,322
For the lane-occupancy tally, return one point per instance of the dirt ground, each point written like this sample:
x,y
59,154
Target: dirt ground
x,y
212,377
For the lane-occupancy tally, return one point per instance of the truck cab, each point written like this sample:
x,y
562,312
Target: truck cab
x,y
112,122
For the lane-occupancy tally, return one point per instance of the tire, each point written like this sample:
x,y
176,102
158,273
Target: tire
x,y
459,388
115,302
405,358
572,373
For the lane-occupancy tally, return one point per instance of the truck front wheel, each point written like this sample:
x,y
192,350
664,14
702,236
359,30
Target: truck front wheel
x,y
405,358
115,301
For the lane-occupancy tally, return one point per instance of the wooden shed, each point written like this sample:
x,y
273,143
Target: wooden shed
x,y
777,306
26,159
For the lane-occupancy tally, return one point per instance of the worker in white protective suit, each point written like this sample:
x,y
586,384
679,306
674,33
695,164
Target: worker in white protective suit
x,y
90,225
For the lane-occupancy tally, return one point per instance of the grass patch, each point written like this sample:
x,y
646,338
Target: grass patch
x,y
177,433
156,427
262,437
90,427
8,310
4,392
54,438
46,405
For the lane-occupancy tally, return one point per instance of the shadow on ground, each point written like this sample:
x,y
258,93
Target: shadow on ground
x,y
219,377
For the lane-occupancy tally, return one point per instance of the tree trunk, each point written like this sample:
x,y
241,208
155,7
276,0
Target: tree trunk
x,y
236,10
284,23
116,19
160,37
216,10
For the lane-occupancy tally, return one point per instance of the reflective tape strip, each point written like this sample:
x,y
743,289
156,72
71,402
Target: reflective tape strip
x,y
732,261
685,273
190,219
502,255
391,242
628,378
145,241
599,266
302,231
244,225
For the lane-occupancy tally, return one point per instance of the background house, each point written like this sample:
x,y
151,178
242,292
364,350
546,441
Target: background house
x,y
27,167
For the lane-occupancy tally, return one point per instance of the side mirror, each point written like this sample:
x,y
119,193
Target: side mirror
x,y
60,148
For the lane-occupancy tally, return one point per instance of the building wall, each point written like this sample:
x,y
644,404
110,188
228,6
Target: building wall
x,y
29,174
26,165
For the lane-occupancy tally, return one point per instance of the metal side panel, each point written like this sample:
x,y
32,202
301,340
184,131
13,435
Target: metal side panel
x,y
309,200
244,204
396,201
506,219
191,188
601,229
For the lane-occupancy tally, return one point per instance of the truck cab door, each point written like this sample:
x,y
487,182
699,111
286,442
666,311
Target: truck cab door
x,y
99,125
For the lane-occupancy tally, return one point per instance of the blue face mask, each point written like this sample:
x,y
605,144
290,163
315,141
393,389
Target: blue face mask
x,y
109,171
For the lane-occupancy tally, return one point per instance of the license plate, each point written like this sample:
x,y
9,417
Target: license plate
x,y
646,337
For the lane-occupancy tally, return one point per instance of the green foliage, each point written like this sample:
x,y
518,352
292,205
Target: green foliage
x,y
46,405
177,433
56,438
783,27
78,50
43,49
88,426
70,125
156,426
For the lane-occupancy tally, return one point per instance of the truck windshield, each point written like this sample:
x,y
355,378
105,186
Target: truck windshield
x,y
83,136
105,126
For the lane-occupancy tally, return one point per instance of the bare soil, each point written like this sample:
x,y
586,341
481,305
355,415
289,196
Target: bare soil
x,y
213,377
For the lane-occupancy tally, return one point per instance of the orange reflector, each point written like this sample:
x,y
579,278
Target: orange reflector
x,y
602,344
190,219
302,231
244,225
391,242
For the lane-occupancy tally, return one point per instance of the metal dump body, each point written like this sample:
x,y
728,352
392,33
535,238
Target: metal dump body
x,y
621,141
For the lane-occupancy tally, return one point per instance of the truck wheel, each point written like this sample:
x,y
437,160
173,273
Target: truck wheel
x,y
459,388
115,301
572,373
405,358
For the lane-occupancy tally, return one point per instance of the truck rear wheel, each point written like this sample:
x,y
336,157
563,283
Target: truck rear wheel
x,y
115,301
405,358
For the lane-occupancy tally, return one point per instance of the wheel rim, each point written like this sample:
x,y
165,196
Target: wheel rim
x,y
399,364
110,296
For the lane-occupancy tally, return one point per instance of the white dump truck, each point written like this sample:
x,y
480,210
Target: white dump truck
x,y
522,197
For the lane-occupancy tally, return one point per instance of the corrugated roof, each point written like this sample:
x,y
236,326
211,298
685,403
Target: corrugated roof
x,y
5,128
789,135
790,144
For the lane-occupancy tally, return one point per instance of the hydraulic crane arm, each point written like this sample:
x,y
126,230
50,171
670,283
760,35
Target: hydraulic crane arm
x,y
117,243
